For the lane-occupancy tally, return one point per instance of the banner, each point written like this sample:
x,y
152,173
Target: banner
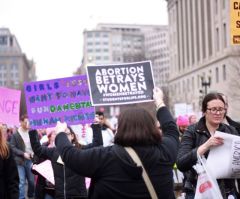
x,y
121,83
235,21
66,100
224,161
9,106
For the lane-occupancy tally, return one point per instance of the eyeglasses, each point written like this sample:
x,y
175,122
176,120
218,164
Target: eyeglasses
x,y
214,110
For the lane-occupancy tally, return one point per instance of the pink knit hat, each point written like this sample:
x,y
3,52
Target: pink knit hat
x,y
182,120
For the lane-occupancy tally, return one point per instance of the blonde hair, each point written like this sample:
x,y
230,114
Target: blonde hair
x,y
4,150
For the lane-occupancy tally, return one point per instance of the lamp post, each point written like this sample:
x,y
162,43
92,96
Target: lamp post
x,y
205,84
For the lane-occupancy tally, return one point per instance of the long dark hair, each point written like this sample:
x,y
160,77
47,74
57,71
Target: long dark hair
x,y
136,126
4,150
75,140
209,97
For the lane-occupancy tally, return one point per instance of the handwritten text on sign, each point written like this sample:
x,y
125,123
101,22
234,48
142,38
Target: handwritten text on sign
x,y
65,99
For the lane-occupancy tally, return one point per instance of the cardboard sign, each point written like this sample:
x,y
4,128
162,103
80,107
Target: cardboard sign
x,y
121,83
9,106
66,100
224,161
235,22
46,170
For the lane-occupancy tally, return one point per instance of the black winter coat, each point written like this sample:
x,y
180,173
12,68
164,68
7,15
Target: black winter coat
x,y
193,137
114,174
67,182
9,181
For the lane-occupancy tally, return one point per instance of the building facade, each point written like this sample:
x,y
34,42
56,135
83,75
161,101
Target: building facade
x,y
126,43
15,68
201,56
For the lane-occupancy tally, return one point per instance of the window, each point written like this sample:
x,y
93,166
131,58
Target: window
x,y
217,39
3,40
97,34
224,35
105,35
3,67
224,72
217,75
89,35
98,57
14,67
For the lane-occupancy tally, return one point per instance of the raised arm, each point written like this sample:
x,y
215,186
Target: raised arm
x,y
97,137
38,149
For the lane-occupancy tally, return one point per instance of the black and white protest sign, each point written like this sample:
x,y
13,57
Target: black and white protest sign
x,y
121,83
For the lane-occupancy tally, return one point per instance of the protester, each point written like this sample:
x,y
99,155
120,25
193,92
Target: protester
x,y
229,120
199,138
23,156
68,184
44,189
106,129
183,123
114,174
192,119
9,181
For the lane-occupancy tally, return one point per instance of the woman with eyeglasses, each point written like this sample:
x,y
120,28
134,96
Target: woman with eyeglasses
x,y
199,138
68,184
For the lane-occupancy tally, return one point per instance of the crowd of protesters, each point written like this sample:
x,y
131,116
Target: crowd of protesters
x,y
163,144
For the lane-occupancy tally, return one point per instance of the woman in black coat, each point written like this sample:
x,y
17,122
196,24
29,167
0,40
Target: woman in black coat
x,y
9,181
199,139
114,174
68,184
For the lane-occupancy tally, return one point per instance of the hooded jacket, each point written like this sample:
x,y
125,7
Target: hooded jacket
x,y
113,172
67,182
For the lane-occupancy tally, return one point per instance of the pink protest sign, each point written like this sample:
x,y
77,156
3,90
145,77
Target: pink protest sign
x,y
9,106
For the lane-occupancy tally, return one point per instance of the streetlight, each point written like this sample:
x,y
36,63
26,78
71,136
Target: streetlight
x,y
205,85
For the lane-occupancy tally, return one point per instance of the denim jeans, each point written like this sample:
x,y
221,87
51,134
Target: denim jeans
x,y
190,195
24,172
48,197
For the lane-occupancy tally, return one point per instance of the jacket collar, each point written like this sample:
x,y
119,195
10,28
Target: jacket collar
x,y
202,128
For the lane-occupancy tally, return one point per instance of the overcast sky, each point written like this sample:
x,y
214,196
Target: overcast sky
x,y
51,31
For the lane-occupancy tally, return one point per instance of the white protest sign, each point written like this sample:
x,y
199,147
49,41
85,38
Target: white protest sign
x,y
46,170
224,161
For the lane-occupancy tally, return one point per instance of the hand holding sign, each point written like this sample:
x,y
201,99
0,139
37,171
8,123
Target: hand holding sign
x,y
212,141
158,97
61,127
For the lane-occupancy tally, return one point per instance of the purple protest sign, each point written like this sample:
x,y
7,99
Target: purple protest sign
x,y
66,100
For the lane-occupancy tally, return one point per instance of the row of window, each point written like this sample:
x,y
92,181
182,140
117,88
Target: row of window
x,y
14,67
13,75
97,34
97,43
189,84
90,50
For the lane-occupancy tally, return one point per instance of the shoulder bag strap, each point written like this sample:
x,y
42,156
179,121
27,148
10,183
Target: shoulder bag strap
x,y
145,176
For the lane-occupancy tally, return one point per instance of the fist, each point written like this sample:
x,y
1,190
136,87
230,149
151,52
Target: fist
x,y
61,127
157,96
